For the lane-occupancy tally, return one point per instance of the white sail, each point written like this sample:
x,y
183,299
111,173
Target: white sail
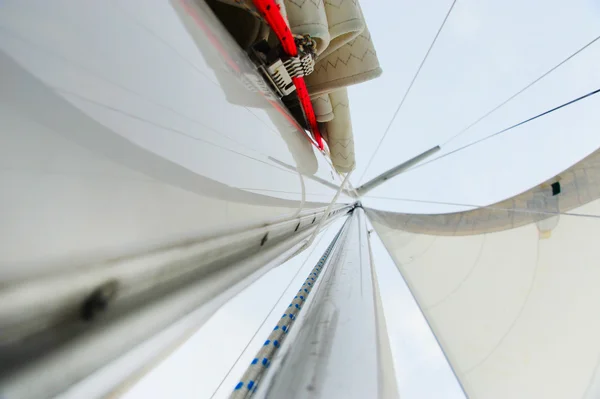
x,y
121,140
511,290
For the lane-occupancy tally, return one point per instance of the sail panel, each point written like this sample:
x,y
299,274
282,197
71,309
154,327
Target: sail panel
x,y
564,192
513,304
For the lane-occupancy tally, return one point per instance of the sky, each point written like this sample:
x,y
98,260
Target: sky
x,y
487,51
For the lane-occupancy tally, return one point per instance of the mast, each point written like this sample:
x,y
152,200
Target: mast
x,y
329,342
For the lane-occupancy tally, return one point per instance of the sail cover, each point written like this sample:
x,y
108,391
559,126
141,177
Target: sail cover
x,y
511,291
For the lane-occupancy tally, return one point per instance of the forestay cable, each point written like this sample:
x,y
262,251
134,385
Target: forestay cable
x,y
509,99
407,91
505,130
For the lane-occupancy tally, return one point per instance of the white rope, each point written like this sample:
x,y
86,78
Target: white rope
x,y
303,196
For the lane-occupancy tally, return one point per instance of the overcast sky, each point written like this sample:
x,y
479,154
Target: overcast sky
x,y
487,51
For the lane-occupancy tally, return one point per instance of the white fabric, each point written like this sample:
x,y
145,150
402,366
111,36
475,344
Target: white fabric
x,y
333,23
309,17
353,63
323,108
345,56
517,316
344,21
514,305
338,133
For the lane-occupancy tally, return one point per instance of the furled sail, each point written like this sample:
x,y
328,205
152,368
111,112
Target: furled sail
x,y
345,56
511,290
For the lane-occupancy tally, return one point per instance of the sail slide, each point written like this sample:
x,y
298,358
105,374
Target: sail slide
x,y
511,290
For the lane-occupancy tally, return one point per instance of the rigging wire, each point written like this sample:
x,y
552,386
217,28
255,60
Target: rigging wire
x,y
491,207
387,130
509,99
264,321
505,130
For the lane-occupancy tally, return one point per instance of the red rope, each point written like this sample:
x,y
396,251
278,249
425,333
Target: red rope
x,y
272,14
304,98
190,10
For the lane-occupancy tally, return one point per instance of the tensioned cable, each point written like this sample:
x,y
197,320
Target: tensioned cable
x,y
490,112
509,99
518,210
505,130
408,90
